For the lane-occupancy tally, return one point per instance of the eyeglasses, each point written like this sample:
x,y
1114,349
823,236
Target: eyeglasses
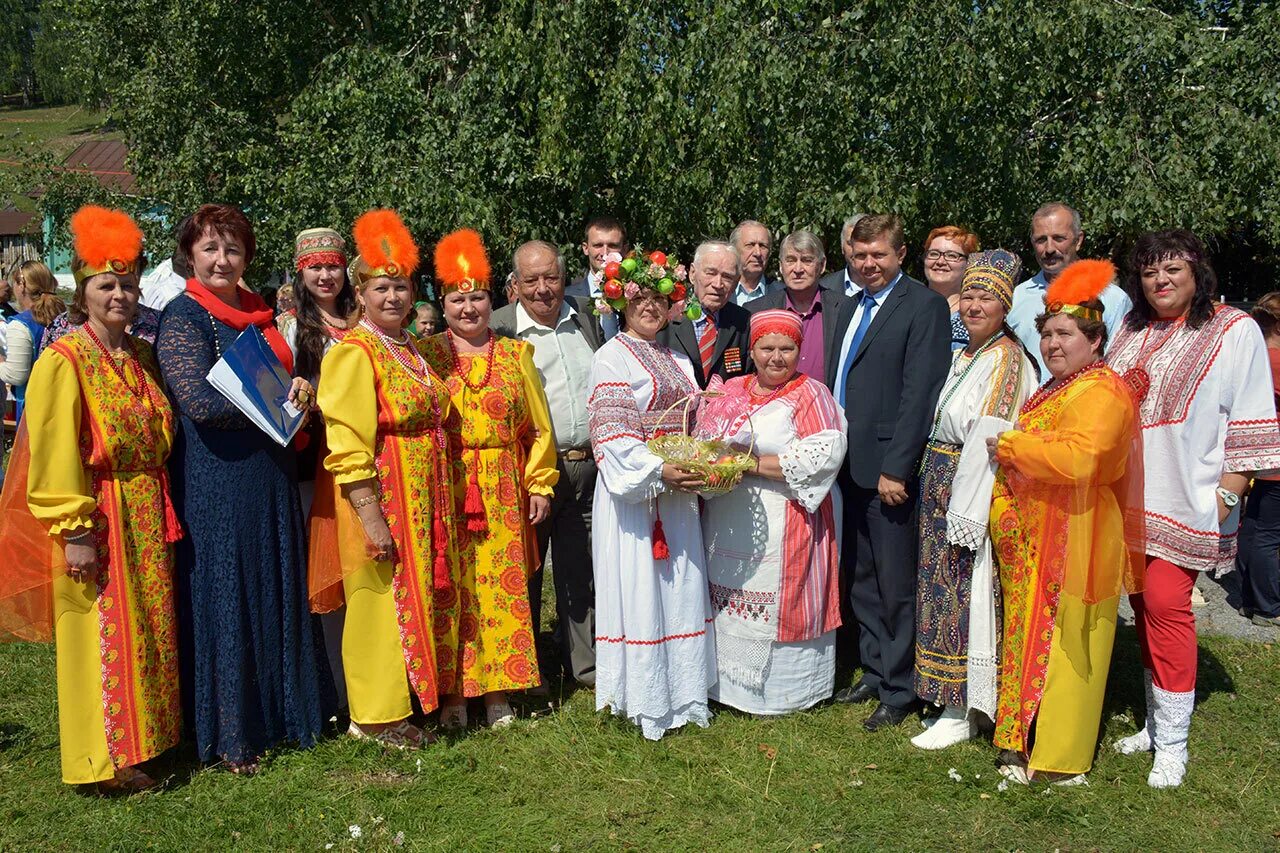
x,y
952,257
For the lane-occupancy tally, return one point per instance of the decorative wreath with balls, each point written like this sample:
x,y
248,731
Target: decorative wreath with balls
x,y
623,279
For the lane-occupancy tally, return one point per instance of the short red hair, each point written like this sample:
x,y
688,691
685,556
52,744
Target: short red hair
x,y
967,239
224,219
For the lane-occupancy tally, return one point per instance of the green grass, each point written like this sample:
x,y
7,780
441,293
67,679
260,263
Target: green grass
x,y
576,780
34,130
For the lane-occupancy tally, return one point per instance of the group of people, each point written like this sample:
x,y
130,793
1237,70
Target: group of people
x,y
966,472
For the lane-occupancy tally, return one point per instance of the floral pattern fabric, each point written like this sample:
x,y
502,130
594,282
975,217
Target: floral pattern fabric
x,y
500,442
123,444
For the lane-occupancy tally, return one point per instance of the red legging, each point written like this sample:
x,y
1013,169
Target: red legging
x,y
1166,626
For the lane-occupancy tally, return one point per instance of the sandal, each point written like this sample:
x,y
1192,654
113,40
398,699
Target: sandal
x,y
248,767
128,780
499,715
453,717
401,735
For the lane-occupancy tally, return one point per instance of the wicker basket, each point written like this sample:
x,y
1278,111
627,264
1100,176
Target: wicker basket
x,y
720,464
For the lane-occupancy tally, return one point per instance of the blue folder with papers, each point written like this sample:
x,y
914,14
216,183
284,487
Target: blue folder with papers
x,y
251,376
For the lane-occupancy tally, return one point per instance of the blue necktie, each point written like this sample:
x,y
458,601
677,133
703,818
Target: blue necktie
x,y
858,334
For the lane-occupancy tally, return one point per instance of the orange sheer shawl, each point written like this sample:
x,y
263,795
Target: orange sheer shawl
x,y
1075,467
32,558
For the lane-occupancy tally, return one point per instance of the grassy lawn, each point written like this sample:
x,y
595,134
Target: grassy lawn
x,y
571,779
56,130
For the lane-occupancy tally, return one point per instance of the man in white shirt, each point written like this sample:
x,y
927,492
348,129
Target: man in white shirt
x,y
754,244
1056,238
564,336
846,280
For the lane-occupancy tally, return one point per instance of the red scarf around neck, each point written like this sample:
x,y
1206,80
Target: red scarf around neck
x,y
253,311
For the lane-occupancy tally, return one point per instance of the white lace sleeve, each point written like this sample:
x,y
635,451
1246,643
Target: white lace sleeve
x,y
970,507
810,464
628,468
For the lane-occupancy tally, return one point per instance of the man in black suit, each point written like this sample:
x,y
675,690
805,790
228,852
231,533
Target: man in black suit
x,y
601,236
887,370
801,259
565,337
846,279
718,343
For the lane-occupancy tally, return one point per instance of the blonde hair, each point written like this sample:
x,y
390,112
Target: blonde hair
x,y
41,289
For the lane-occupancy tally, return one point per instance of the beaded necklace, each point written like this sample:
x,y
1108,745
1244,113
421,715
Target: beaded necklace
x,y
1052,387
456,362
417,369
142,394
955,386
757,401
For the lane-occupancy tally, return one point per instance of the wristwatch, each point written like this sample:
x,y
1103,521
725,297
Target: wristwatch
x,y
1229,498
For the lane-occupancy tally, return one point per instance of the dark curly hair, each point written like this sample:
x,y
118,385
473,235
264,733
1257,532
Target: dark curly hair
x,y
1156,246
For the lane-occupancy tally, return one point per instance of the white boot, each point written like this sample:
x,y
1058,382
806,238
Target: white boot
x,y
1142,741
951,728
1173,724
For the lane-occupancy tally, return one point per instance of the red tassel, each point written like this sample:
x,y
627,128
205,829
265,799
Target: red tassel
x,y
172,527
473,506
660,549
440,568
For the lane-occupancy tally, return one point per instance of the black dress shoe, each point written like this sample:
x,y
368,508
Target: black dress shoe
x,y
884,716
857,694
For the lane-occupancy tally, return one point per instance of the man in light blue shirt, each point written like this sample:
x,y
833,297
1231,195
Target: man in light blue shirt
x,y
1056,238
754,244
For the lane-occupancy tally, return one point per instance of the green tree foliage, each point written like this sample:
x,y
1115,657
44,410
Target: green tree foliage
x,y
521,117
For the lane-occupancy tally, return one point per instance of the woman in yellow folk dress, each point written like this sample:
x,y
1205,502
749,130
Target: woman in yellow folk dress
x,y
99,429
384,412
504,473
1066,527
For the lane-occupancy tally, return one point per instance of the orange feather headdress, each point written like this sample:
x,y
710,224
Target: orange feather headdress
x,y
105,241
1080,282
385,247
461,262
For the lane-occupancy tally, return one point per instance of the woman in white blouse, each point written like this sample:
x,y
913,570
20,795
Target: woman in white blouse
x,y
957,599
771,542
35,288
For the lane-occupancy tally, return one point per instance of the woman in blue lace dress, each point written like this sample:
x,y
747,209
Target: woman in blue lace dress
x,y
253,672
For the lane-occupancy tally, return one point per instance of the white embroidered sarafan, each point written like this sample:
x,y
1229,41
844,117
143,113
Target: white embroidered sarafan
x,y
1210,411
655,653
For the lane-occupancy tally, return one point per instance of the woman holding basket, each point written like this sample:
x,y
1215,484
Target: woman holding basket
x,y
771,542
654,653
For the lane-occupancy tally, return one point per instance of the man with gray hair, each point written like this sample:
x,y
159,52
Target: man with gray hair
x,y
801,259
753,243
565,337
717,342
1056,238
846,280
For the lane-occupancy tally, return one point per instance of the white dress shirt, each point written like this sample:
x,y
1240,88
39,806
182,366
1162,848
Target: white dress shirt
x,y
563,358
877,300
851,288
